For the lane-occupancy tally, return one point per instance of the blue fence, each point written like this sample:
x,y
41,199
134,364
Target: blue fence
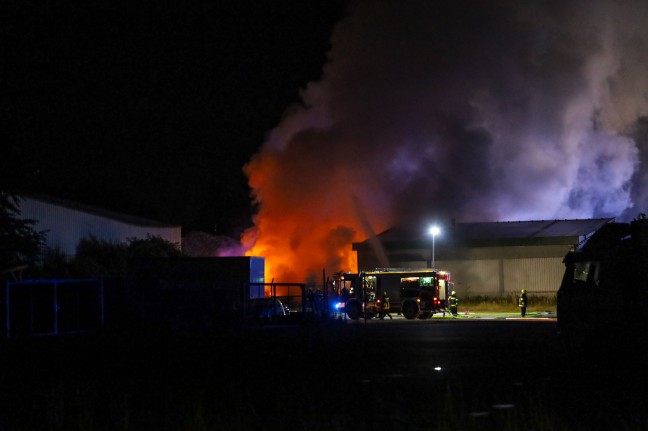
x,y
52,307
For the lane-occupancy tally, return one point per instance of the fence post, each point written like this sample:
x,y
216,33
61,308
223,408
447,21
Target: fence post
x,y
7,309
101,297
56,307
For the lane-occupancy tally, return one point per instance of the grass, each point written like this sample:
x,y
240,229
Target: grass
x,y
310,378
199,385
274,405
506,304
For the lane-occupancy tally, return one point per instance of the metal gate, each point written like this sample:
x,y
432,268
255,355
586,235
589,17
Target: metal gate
x,y
52,307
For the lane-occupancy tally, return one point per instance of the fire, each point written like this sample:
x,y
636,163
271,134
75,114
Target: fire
x,y
305,221
298,242
292,259
415,121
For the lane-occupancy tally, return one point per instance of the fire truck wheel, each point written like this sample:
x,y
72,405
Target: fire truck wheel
x,y
410,310
353,310
424,316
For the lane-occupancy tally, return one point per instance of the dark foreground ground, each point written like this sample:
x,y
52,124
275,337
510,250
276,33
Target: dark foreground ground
x,y
383,375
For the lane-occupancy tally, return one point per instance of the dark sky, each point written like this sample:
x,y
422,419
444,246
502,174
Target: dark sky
x,y
152,108
471,110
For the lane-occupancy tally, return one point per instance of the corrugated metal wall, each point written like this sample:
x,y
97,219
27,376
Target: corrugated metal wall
x,y
539,275
66,227
500,276
473,277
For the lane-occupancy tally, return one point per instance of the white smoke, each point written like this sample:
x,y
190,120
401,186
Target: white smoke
x,y
478,110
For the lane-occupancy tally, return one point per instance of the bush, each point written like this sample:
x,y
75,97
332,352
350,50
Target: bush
x,y
20,244
97,257
100,258
153,246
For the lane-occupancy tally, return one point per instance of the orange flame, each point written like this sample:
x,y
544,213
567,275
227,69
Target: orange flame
x,y
305,221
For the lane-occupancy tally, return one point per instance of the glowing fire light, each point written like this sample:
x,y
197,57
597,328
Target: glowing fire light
x,y
416,119
299,242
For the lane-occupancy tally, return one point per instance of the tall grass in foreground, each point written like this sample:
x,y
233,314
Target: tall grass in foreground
x,y
279,390
278,406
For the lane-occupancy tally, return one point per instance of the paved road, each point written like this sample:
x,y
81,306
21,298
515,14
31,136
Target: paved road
x,y
454,374
485,346
491,370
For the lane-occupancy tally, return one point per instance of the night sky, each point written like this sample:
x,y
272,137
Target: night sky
x,y
153,108
333,119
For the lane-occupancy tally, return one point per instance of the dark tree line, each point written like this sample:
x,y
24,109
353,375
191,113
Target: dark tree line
x,y
96,257
20,243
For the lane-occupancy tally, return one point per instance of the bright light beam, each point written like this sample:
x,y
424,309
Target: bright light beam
x,y
434,231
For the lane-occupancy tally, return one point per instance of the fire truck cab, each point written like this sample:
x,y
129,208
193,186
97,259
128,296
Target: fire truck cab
x,y
414,293
605,286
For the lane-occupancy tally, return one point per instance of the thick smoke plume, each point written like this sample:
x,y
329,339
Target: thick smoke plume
x,y
480,111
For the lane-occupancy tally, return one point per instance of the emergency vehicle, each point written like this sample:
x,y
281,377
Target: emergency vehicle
x,y
605,285
414,293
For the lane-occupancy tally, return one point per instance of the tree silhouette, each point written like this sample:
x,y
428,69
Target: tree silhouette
x,y
20,243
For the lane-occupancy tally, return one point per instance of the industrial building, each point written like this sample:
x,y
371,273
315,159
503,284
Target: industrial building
x,y
489,258
66,223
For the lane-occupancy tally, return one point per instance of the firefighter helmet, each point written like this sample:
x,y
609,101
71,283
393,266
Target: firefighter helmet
x,y
453,293
523,290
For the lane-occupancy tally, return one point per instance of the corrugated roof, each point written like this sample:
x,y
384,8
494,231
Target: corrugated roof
x,y
113,215
498,230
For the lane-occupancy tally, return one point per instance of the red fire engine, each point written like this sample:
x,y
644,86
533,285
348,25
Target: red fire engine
x,y
414,293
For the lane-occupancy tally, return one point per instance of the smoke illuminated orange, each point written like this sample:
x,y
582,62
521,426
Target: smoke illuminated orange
x,y
305,222
414,122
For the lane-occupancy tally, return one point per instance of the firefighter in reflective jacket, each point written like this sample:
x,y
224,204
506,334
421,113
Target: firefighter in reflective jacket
x,y
383,309
522,302
453,301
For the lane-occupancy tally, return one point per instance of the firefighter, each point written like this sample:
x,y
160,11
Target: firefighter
x,y
384,307
522,302
310,299
333,300
453,301
344,295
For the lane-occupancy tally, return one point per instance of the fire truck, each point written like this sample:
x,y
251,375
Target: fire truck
x,y
414,293
605,285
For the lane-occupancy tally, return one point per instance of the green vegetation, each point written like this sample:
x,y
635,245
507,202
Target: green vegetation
x,y
20,244
506,304
96,257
